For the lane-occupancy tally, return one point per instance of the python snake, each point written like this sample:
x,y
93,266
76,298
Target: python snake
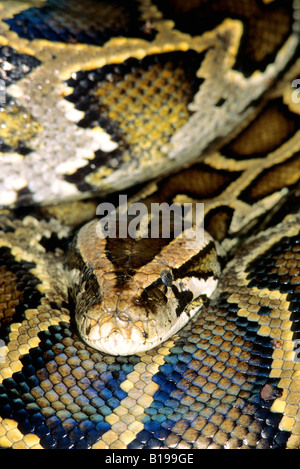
x,y
201,98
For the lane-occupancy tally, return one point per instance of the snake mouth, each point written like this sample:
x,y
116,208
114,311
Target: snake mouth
x,y
115,335
119,336
116,344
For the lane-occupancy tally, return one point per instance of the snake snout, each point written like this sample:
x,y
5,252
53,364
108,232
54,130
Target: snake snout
x,y
115,334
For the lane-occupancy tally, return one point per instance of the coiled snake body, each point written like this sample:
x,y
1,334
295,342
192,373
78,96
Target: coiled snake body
x,y
202,98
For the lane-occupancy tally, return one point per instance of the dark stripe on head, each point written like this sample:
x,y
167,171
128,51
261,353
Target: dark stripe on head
x,y
74,258
198,265
128,255
184,298
153,297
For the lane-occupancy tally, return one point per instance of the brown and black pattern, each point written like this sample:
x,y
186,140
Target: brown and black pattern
x,y
18,290
222,383
139,103
260,41
70,22
135,98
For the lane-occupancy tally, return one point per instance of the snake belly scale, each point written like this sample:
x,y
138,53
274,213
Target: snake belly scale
x,y
201,99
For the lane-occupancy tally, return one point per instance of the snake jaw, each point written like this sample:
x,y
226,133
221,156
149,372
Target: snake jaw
x,y
114,334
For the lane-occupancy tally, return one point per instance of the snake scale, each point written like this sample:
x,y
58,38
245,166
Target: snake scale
x,y
201,99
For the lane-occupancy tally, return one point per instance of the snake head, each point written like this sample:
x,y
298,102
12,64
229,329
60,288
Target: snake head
x,y
128,301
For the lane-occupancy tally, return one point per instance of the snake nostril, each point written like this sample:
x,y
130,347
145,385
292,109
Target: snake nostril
x,y
123,318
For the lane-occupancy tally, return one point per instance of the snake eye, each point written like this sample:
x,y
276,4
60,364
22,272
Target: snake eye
x,y
166,277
